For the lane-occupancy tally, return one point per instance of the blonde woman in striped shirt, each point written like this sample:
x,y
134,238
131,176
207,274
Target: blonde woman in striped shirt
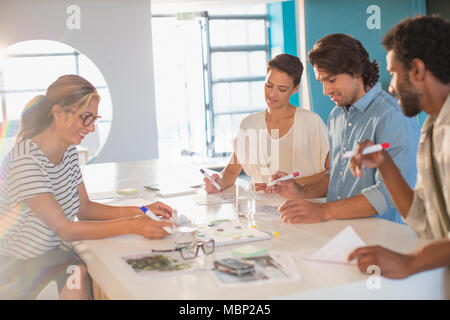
x,y
42,191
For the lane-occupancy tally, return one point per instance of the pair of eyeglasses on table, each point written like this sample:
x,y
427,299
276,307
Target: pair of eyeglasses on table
x,y
189,250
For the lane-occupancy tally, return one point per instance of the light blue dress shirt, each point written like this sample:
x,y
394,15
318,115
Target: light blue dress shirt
x,y
377,117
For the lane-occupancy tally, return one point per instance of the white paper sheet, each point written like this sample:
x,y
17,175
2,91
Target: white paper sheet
x,y
217,198
173,190
229,196
105,196
124,202
268,212
339,248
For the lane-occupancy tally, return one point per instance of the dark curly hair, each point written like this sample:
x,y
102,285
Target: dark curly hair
x,y
289,64
340,53
426,37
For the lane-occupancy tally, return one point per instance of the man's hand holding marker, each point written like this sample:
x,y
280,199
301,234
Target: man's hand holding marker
x,y
367,154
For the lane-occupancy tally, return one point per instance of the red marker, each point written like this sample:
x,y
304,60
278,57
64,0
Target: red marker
x,y
370,149
288,177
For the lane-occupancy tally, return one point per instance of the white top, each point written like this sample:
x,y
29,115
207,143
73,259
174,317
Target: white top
x,y
285,143
25,173
303,148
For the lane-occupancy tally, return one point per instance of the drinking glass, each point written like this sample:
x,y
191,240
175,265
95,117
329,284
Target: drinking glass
x,y
245,201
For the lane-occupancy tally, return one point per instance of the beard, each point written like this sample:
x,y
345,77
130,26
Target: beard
x,y
408,98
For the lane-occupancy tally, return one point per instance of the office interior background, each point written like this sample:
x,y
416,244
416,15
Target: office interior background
x,y
176,77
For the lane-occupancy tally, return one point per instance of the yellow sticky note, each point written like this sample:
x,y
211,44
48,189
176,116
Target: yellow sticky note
x,y
127,191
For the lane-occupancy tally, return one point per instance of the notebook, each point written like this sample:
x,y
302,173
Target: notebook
x,y
231,233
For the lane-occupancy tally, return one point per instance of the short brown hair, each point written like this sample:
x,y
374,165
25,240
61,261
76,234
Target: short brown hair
x,y
340,53
288,64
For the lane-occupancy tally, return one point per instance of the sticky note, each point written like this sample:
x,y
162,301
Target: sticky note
x,y
219,221
127,191
249,251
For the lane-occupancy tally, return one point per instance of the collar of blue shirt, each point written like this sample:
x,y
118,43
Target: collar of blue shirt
x,y
362,104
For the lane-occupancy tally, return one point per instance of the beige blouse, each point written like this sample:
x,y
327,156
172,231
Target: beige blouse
x,y
303,148
429,214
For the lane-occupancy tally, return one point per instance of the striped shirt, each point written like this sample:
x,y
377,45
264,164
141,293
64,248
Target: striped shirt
x,y
25,173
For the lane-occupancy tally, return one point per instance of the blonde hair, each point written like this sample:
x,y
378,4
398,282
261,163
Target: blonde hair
x,y
66,91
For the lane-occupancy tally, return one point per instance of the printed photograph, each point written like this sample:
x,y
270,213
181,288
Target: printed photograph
x,y
159,263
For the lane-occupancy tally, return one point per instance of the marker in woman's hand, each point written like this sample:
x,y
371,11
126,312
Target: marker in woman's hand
x,y
370,149
153,216
207,176
288,177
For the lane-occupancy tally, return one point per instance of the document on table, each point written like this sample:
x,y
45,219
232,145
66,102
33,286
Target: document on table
x,y
268,212
124,202
229,196
339,248
108,196
270,268
173,190
216,198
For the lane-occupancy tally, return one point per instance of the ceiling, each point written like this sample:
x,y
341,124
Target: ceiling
x,y
175,6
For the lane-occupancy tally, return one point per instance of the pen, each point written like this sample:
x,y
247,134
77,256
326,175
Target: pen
x,y
288,177
207,176
370,149
153,216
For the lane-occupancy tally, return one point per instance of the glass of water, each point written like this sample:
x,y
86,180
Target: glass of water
x,y
245,201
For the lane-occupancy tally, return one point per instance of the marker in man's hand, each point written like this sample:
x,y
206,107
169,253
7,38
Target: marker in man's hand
x,y
370,149
288,177
207,176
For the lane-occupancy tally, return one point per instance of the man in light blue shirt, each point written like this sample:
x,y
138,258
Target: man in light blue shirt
x,y
363,111
374,116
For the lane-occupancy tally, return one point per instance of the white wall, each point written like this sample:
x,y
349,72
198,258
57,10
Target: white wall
x,y
116,36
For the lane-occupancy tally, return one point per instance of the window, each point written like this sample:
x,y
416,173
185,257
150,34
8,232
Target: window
x,y
28,68
209,74
237,56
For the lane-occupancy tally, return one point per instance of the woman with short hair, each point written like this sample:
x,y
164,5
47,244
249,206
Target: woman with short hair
x,y
282,137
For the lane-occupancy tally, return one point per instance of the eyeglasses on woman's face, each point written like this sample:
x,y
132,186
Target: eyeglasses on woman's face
x,y
87,118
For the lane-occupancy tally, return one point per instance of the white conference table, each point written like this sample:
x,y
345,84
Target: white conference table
x,y
114,280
